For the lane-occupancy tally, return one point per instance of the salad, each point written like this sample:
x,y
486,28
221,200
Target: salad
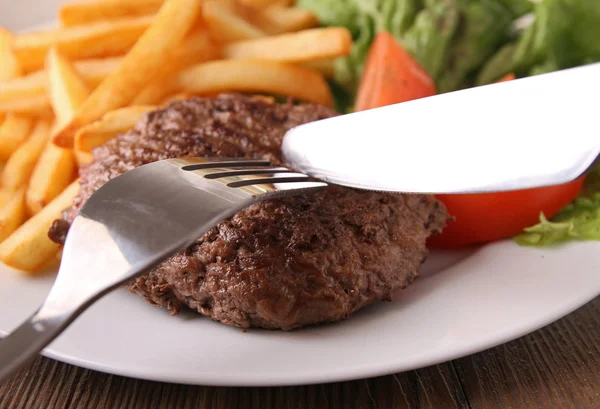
x,y
409,49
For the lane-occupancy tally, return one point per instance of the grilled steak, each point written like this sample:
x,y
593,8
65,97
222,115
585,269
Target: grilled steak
x,y
282,263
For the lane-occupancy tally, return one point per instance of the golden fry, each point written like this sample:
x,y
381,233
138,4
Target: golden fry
x,y
67,88
226,26
5,196
113,123
28,248
139,66
258,4
325,67
197,47
29,93
255,76
175,97
82,158
9,65
307,45
53,172
86,12
21,163
12,214
14,131
102,39
285,20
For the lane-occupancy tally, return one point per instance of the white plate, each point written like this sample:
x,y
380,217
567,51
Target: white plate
x,y
465,302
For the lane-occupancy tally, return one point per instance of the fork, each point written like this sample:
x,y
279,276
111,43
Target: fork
x,y
134,222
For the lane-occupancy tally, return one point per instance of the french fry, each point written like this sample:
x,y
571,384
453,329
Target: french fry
x,y
86,12
82,158
102,39
307,45
14,131
139,66
9,65
33,106
197,47
325,67
28,248
54,170
28,94
110,125
175,97
12,214
285,20
68,89
255,76
5,196
226,26
258,4
21,163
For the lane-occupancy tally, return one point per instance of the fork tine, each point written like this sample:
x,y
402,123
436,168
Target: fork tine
x,y
247,180
229,163
218,173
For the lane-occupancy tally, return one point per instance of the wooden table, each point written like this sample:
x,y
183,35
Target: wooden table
x,y
556,367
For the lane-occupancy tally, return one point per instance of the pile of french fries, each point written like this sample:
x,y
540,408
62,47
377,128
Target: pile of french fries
x,y
67,90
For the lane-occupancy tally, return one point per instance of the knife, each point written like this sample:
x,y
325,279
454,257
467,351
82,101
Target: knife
x,y
532,132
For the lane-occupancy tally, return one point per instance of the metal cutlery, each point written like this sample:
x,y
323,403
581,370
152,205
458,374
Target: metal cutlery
x,y
134,222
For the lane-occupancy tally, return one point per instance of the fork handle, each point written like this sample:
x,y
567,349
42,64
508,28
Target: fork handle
x,y
25,342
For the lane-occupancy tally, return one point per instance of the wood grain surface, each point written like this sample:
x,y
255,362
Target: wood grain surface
x,y
555,367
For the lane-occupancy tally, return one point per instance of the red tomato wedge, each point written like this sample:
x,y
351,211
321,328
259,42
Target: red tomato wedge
x,y
391,75
507,77
487,217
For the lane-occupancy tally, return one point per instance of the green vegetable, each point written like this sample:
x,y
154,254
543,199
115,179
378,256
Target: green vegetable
x,y
564,34
484,28
428,39
580,220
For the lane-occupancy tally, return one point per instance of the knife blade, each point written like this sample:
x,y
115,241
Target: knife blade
x,y
531,132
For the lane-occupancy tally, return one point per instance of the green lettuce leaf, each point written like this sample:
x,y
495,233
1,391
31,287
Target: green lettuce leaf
x,y
579,220
564,34
484,28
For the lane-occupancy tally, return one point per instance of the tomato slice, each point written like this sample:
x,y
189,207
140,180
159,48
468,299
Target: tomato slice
x,y
391,75
486,217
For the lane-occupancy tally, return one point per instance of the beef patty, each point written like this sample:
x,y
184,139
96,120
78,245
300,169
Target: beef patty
x,y
282,263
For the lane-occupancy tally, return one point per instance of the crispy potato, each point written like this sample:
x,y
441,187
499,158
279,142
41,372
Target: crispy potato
x,y
175,97
197,47
85,12
285,20
226,26
67,88
28,94
5,196
102,39
32,106
21,163
258,4
113,123
9,65
28,248
325,67
139,66
53,172
255,76
14,131
82,158
12,214
307,45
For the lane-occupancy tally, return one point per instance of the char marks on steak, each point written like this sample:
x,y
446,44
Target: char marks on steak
x,y
282,263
